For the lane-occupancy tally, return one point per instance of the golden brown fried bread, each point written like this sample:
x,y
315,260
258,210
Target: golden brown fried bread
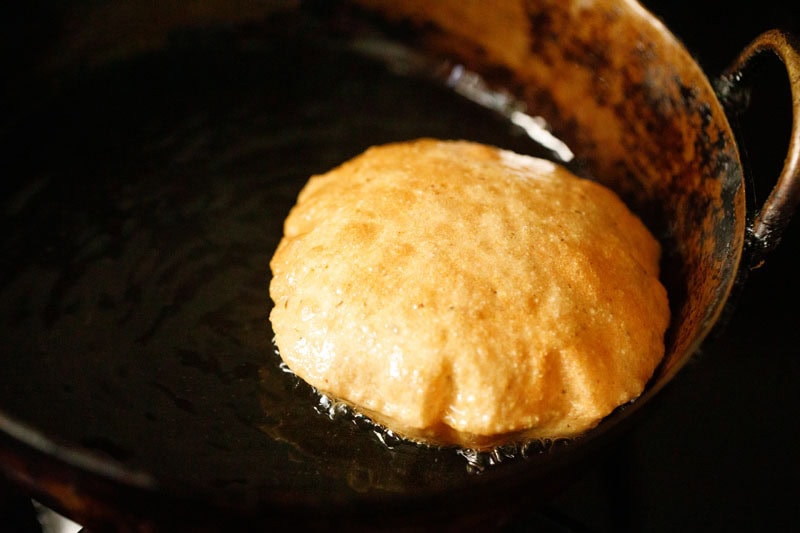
x,y
460,294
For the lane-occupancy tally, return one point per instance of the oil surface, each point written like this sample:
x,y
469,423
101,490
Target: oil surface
x,y
145,200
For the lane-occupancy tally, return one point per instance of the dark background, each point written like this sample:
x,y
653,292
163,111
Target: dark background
x,y
718,450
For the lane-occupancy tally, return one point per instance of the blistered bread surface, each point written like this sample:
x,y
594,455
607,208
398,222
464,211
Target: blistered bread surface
x,y
458,293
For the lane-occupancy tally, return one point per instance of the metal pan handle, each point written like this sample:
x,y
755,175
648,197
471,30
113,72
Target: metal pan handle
x,y
733,88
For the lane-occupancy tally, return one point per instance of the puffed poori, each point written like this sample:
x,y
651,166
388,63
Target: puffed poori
x,y
460,294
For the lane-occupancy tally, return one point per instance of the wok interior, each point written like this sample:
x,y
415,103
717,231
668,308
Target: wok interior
x,y
184,351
